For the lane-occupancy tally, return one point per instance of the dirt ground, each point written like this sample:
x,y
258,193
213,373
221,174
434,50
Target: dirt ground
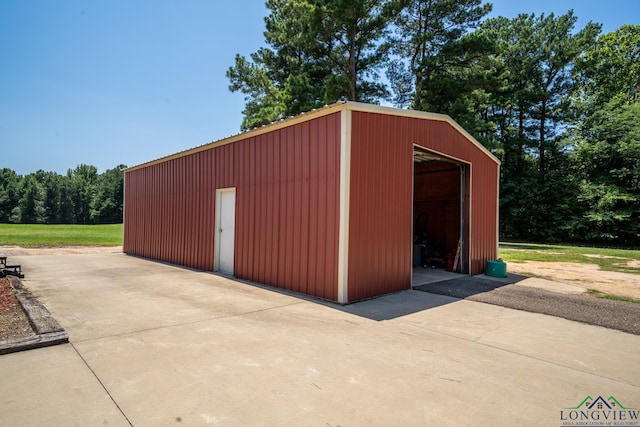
x,y
586,276
13,321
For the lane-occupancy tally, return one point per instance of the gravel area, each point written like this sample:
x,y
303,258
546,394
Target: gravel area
x,y
585,308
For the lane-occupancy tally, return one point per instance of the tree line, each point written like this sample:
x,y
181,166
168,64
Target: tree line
x,y
82,196
558,105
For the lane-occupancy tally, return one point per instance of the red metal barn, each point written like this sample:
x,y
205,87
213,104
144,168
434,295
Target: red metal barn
x,y
328,203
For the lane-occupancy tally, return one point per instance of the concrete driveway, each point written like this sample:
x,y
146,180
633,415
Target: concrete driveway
x,y
158,345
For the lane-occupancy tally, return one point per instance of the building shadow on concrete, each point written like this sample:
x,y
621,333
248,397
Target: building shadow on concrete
x,y
439,288
399,304
425,297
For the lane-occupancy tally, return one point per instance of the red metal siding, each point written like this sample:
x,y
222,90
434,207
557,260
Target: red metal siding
x,y
287,203
287,189
484,213
381,198
380,206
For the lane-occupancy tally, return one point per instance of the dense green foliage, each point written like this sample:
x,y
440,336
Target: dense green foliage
x,y
82,196
606,141
319,51
38,235
558,105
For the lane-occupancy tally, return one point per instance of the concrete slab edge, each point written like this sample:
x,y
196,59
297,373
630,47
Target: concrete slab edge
x,y
36,341
48,331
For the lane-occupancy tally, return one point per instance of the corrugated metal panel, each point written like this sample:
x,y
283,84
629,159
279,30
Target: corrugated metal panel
x,y
381,199
380,206
286,210
484,212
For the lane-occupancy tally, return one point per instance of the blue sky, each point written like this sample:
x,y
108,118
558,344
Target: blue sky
x,y
127,81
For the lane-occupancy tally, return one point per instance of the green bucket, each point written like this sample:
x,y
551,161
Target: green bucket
x,y
496,269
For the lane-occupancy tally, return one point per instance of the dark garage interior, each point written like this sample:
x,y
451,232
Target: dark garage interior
x,y
439,220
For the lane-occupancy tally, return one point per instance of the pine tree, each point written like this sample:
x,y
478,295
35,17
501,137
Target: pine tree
x,y
319,51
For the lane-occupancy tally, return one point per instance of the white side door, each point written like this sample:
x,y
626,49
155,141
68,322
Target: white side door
x,y
225,229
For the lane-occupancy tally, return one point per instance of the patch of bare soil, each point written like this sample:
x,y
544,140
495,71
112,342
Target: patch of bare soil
x,y
13,321
7,298
587,276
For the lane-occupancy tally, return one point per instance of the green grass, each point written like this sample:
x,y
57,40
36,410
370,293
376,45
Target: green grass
x,y
607,259
599,294
50,235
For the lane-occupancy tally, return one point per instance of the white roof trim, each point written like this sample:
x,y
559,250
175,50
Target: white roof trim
x,y
359,106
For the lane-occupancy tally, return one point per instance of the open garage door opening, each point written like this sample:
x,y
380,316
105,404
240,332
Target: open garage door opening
x,y
440,217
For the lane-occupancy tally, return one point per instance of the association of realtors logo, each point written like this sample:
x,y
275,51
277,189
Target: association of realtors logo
x,y
600,412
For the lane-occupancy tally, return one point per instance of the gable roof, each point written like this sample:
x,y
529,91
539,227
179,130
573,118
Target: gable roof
x,y
320,112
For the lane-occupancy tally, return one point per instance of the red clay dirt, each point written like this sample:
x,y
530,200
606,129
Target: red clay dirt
x,y
13,321
7,298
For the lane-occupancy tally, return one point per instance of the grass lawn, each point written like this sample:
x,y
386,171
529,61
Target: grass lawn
x,y
43,235
622,260
611,297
